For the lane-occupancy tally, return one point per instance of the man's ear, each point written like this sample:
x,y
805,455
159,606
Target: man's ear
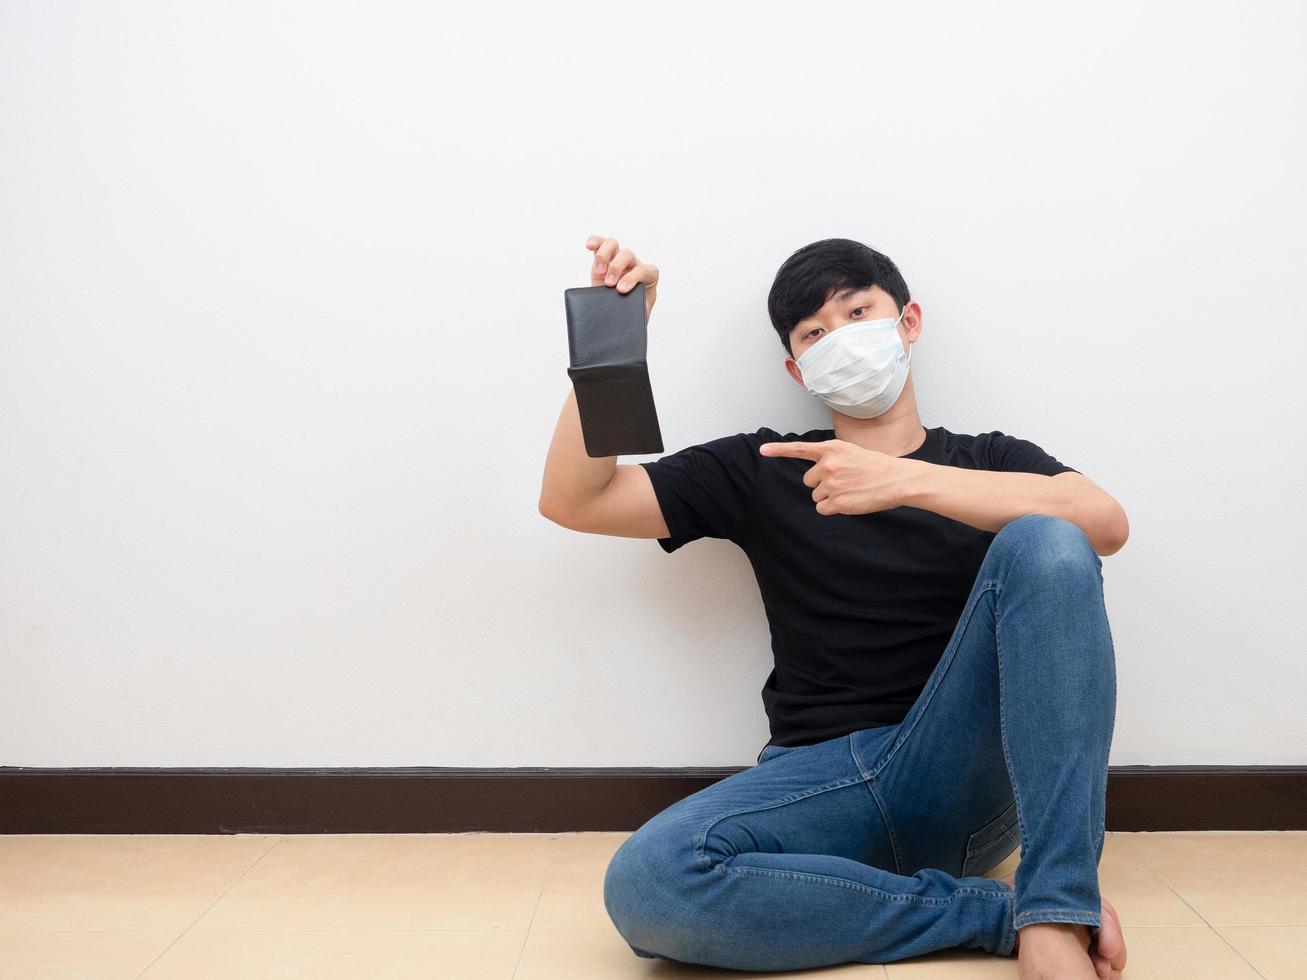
x,y
913,309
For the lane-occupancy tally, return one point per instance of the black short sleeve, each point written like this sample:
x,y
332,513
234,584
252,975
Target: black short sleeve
x,y
704,491
1004,452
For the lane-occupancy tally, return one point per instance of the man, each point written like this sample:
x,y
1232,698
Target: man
x,y
944,680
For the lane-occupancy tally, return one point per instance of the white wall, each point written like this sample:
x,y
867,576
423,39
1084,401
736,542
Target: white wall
x,y
283,348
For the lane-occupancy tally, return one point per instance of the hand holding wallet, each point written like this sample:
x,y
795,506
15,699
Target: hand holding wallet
x,y
607,341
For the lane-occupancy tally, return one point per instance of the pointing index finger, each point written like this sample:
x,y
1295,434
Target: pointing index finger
x,y
799,450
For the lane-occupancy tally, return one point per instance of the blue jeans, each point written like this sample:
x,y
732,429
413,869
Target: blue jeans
x,y
870,847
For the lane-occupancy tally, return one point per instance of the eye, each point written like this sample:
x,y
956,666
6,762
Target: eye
x,y
855,311
812,332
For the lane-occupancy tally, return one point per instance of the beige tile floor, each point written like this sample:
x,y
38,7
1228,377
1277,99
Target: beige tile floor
x,y
1221,905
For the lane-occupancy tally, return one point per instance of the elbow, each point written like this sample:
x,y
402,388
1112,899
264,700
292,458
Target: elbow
x,y
547,511
1115,531
551,512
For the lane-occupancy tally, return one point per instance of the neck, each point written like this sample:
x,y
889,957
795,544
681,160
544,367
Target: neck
x,y
896,433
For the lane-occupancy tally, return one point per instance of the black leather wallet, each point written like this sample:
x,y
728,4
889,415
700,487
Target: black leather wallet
x,y
607,343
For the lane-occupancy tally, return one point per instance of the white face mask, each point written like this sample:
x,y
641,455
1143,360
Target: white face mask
x,y
860,368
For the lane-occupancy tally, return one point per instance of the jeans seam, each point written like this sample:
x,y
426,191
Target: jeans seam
x,y
1111,642
857,759
960,629
870,782
965,891
889,825
1010,923
1079,916
1002,719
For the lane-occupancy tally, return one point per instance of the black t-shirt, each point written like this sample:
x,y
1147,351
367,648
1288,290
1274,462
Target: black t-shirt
x,y
861,606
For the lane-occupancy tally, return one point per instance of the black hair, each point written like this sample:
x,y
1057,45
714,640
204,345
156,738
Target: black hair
x,y
809,277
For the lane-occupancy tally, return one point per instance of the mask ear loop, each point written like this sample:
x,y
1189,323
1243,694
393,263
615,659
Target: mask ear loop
x,y
910,343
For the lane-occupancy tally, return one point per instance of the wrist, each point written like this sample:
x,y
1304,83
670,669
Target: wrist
x,y
910,488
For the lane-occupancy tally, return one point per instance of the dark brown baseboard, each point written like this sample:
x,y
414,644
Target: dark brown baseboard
x,y
534,800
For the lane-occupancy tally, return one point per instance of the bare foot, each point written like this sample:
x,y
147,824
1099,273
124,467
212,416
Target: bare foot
x,y
1106,949
1055,951
1107,945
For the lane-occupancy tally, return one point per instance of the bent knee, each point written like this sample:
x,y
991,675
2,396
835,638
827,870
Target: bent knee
x,y
643,900
1050,544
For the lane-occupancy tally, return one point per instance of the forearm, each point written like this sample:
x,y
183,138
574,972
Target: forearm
x,y
571,476
988,499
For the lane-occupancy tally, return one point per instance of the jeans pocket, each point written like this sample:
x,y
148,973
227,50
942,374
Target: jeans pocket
x,y
989,845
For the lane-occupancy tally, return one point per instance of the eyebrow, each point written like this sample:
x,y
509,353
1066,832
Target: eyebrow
x,y
843,294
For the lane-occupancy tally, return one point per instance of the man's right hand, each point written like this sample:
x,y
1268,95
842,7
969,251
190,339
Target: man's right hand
x,y
619,268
